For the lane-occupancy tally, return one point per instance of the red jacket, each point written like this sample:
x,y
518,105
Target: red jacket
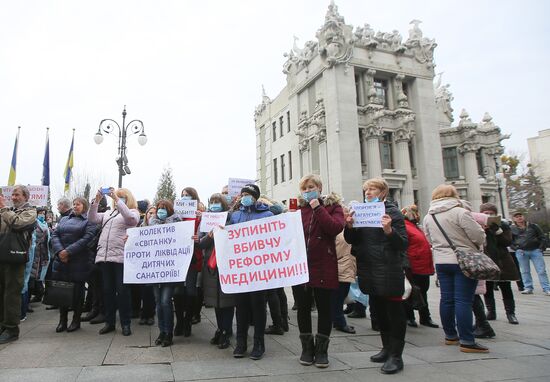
x,y
419,251
321,226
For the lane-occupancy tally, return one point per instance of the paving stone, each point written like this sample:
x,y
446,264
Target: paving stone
x,y
410,373
434,354
215,369
52,374
126,373
290,365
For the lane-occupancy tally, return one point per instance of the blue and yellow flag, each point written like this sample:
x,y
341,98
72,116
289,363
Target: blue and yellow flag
x,y
46,162
69,167
13,167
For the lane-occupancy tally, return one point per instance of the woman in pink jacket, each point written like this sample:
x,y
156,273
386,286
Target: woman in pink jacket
x,y
110,255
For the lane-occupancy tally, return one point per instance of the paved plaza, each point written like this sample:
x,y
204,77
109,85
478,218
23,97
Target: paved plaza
x,y
518,353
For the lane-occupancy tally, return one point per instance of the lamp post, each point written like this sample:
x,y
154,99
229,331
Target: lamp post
x,y
135,126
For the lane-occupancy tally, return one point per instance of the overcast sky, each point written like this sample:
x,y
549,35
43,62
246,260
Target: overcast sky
x,y
192,72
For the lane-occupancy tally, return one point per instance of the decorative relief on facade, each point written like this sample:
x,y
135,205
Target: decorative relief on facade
x,y
443,99
262,106
402,99
372,131
335,38
312,127
301,57
421,47
495,150
469,147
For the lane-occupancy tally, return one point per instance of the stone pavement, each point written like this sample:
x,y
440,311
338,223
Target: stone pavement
x,y
518,353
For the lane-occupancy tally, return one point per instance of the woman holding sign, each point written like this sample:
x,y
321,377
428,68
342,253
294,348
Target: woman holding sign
x,y
323,220
224,304
380,253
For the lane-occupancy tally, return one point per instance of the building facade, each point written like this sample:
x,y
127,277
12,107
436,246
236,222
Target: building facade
x,y
360,104
539,156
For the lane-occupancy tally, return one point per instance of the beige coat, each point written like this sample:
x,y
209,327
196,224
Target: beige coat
x,y
459,225
347,269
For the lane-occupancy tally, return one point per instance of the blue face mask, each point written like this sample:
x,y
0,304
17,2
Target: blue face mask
x,y
216,207
186,197
228,198
41,218
310,195
123,200
162,213
247,200
372,201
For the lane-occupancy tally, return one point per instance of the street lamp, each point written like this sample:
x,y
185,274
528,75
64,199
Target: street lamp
x,y
133,127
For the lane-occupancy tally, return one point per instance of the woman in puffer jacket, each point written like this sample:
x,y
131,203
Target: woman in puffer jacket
x,y
110,255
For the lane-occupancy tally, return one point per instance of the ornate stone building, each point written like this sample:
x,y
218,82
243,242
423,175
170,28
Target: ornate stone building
x,y
360,104
539,156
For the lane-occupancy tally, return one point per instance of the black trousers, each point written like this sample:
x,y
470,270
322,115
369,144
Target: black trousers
x,y
391,317
251,307
95,288
143,300
278,306
224,318
507,296
519,282
304,295
423,282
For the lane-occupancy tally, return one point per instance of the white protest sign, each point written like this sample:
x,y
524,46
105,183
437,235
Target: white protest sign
x,y
211,220
159,253
185,208
235,185
368,214
38,195
262,254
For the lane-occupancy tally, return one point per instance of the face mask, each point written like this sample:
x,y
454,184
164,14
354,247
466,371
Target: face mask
x,y
228,198
186,197
41,218
123,200
162,213
310,195
247,200
216,207
375,200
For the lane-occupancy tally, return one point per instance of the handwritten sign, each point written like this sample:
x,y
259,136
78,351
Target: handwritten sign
x,y
235,185
368,214
211,220
185,209
262,254
38,195
158,254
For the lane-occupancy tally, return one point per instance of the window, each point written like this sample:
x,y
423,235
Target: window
x,y
288,121
275,171
381,88
274,131
289,165
282,168
386,156
450,162
281,124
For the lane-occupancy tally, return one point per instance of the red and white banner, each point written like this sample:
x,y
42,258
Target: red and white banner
x,y
262,254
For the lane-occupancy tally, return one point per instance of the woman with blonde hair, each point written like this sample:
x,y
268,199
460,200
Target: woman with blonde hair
x,y
380,260
110,255
447,216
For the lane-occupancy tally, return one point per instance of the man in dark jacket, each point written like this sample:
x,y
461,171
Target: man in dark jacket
x,y
529,242
20,218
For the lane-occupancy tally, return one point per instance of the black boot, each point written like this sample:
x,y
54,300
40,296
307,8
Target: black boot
x,y
216,339
75,323
167,340
308,348
394,363
285,323
224,342
383,355
90,315
160,338
321,350
491,309
510,307
258,350
483,330
62,326
240,347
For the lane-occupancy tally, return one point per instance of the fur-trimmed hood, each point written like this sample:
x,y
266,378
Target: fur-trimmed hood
x,y
326,200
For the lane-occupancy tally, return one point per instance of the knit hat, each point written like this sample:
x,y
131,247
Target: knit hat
x,y
142,206
252,189
411,213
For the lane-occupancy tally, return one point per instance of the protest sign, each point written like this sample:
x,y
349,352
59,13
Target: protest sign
x,y
211,220
262,254
185,209
159,253
235,185
38,195
368,214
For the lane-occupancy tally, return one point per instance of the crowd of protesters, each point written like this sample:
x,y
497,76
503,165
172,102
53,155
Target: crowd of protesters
x,y
368,266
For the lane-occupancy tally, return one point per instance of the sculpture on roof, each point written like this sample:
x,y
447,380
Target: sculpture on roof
x,y
422,47
443,98
335,38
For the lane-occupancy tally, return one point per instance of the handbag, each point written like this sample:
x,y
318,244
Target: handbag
x,y
212,262
473,264
416,299
59,293
14,245
92,244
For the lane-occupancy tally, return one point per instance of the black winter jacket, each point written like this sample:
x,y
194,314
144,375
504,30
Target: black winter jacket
x,y
529,238
380,257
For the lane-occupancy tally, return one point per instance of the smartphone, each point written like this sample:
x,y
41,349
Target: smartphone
x,y
293,204
105,190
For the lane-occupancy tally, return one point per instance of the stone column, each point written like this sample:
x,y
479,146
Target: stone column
x,y
403,163
472,175
372,135
360,91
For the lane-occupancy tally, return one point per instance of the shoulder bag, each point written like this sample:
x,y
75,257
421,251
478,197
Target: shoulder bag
x,y
14,245
92,245
60,294
473,264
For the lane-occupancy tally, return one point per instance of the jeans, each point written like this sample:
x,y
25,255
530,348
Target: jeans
x,y
455,305
304,295
337,304
538,261
116,294
224,319
165,311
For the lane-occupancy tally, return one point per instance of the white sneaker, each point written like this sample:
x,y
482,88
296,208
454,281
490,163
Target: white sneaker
x,y
527,291
547,293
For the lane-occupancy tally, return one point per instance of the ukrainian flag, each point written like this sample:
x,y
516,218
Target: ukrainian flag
x,y
46,162
69,167
13,167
